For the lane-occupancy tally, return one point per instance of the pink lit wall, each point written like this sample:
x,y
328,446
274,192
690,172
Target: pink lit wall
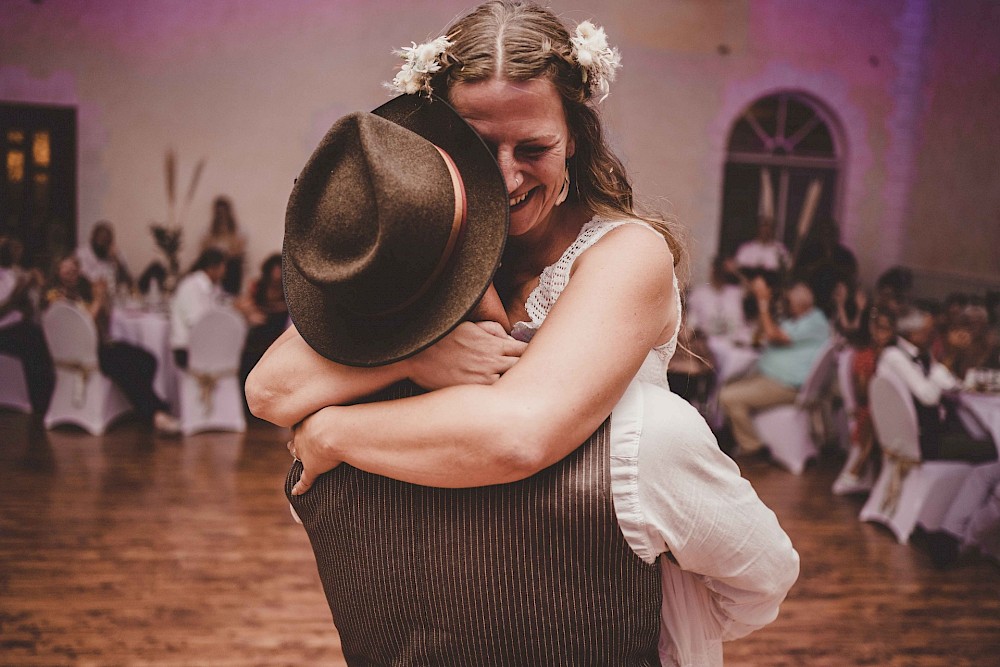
x,y
251,86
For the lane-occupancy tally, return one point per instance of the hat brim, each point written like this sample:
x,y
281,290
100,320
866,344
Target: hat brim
x,y
357,340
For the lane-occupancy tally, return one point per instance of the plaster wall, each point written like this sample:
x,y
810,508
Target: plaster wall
x,y
251,86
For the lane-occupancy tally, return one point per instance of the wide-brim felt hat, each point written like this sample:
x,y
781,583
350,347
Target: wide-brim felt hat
x,y
393,232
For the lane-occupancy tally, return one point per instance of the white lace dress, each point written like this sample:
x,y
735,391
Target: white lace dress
x,y
689,499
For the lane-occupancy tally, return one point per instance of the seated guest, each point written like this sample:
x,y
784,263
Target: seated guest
x,y
946,320
954,304
100,261
972,521
824,262
967,343
790,349
858,475
716,308
130,367
225,235
847,310
893,290
19,335
196,294
764,253
264,307
942,435
12,259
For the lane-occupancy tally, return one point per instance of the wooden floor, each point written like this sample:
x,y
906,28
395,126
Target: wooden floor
x,y
130,550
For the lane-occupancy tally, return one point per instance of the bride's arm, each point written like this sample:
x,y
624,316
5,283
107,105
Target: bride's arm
x,y
615,308
292,381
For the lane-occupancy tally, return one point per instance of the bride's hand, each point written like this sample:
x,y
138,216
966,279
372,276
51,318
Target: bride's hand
x,y
310,446
474,353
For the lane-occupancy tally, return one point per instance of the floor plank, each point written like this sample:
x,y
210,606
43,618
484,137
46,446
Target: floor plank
x,y
125,549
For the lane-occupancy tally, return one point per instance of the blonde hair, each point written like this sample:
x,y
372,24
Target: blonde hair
x,y
519,41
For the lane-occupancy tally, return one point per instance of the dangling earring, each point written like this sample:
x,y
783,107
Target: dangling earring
x,y
564,192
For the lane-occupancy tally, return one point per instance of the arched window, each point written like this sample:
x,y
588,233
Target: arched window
x,y
784,159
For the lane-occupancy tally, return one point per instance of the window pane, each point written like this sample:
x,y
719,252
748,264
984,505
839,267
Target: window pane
x,y
817,143
798,114
15,136
744,139
40,149
15,166
765,112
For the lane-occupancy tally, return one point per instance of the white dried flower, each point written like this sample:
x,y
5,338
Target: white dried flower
x,y
420,63
598,60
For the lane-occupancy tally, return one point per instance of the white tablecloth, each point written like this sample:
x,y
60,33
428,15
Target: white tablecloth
x,y
986,410
150,331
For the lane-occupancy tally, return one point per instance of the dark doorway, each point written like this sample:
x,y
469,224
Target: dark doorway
x,y
38,192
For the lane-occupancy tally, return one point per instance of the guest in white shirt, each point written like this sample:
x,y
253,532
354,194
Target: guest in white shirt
x,y
763,253
196,294
100,260
791,349
942,435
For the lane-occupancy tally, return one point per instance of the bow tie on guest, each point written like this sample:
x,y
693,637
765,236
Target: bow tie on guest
x,y
924,359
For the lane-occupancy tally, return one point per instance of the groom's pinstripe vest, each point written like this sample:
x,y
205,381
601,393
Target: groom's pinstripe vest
x,y
531,573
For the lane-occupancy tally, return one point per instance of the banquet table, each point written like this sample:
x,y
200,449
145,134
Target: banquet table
x,y
979,411
150,330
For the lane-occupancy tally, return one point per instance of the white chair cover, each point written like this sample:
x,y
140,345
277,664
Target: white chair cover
x,y
210,391
82,395
787,430
13,385
908,491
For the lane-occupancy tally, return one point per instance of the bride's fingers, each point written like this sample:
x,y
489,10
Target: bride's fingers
x,y
291,449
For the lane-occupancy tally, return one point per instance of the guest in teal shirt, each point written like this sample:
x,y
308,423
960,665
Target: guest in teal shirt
x,y
790,351
789,363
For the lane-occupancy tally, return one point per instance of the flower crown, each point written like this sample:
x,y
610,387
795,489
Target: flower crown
x,y
596,59
421,62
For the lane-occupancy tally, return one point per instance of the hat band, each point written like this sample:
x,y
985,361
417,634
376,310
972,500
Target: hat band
x,y
457,225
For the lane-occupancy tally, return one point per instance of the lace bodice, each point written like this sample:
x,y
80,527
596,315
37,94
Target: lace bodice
x,y
555,277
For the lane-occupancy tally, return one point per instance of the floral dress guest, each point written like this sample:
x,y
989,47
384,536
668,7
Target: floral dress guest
x,y
858,475
130,367
224,235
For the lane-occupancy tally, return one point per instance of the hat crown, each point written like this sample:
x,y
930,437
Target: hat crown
x,y
372,213
393,231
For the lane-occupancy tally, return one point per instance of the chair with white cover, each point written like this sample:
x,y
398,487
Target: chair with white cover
x,y
787,430
82,395
13,385
211,396
908,491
